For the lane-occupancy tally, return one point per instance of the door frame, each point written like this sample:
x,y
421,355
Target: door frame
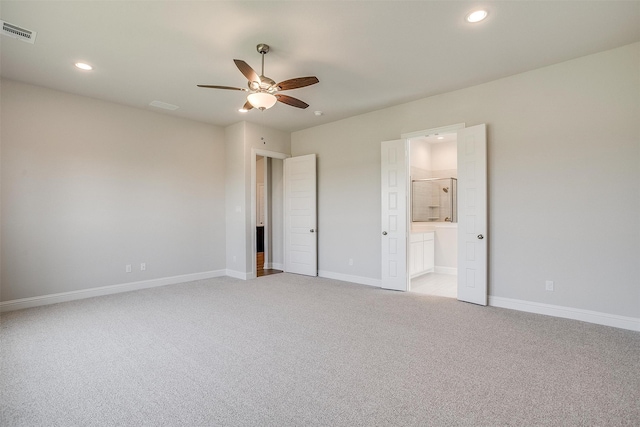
x,y
254,222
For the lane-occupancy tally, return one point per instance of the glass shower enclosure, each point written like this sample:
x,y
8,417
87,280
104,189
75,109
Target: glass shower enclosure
x,y
434,200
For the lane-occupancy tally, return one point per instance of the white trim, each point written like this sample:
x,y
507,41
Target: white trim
x,y
606,319
277,266
446,270
18,304
239,274
427,132
272,154
348,278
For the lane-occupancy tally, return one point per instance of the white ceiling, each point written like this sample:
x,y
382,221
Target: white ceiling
x,y
368,55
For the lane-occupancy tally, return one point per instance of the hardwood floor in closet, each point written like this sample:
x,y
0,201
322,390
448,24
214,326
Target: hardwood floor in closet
x,y
260,271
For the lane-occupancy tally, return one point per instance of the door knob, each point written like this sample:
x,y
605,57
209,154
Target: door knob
x,y
312,230
480,236
384,233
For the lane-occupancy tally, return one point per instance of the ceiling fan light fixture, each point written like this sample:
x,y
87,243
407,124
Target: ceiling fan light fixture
x,y
263,91
262,100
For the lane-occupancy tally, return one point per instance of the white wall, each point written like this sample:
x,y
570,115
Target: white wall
x,y
446,248
348,182
260,165
236,205
444,156
421,154
563,147
90,186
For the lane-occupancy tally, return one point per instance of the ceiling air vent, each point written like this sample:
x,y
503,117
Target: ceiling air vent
x,y
165,105
18,33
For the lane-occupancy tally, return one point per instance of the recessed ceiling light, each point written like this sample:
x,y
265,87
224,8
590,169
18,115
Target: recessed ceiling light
x,y
476,16
441,137
84,66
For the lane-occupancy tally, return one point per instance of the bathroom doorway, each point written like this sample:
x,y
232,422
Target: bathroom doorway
x,y
433,228
472,228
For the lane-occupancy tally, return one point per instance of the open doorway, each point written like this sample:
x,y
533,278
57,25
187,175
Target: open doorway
x,y
267,213
433,229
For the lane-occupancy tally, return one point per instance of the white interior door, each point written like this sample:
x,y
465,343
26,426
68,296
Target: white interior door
x,y
300,216
472,214
394,215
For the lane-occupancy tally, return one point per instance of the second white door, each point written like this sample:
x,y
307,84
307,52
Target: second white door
x,y
394,215
472,215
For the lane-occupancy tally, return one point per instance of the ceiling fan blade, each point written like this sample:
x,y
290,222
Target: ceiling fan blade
x,y
290,100
246,70
247,106
223,87
297,82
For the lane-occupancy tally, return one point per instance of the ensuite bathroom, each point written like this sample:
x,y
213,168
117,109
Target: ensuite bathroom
x,y
433,241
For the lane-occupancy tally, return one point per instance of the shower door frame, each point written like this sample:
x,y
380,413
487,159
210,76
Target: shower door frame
x,y
452,202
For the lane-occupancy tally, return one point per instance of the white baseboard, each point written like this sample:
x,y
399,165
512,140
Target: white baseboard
x,y
348,278
273,265
446,270
21,303
238,274
599,318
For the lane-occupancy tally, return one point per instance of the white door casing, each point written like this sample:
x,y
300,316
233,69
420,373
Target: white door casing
x,y
472,215
394,218
261,206
300,215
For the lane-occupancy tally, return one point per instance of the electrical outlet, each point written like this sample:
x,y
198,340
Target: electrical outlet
x,y
143,266
127,268
548,285
350,261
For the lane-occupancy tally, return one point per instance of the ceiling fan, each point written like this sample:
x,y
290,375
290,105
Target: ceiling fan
x,y
263,91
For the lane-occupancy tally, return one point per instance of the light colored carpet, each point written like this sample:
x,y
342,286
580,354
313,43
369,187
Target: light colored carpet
x,y
287,350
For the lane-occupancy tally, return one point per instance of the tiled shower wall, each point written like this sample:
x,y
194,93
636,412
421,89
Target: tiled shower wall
x,y
429,202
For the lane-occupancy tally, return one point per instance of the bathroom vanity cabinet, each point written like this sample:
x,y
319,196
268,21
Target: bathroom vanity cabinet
x,y
421,253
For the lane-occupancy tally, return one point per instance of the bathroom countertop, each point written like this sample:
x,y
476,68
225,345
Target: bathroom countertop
x,y
422,228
